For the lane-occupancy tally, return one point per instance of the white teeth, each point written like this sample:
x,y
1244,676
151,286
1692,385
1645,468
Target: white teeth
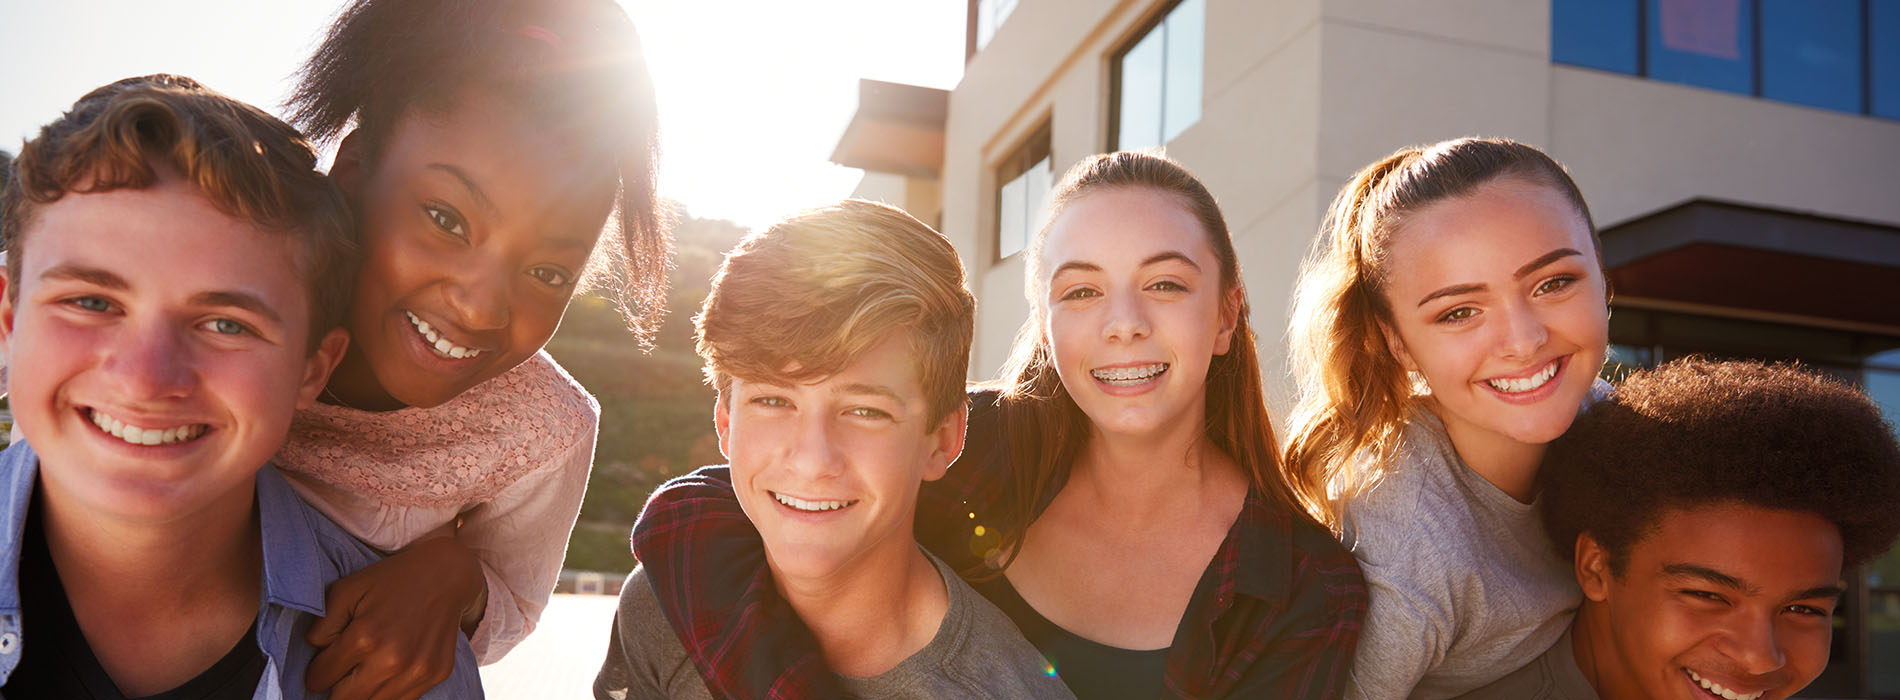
x,y
145,436
1129,375
439,344
1523,384
1716,688
812,506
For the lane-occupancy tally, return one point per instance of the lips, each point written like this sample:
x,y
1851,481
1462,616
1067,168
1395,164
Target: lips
x,y
810,506
146,435
1716,689
1520,385
438,343
1129,375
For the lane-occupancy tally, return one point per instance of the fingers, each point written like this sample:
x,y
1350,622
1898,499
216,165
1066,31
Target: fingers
x,y
334,663
387,676
339,606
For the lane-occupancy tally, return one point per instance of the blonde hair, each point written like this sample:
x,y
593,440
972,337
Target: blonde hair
x,y
819,289
1046,429
1354,394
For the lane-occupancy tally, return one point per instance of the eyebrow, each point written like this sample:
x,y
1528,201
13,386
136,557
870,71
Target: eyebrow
x,y
468,181
1710,575
95,276
1161,257
237,300
1522,272
871,389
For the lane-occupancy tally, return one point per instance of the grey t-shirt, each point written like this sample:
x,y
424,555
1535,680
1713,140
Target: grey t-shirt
x,y
976,653
1553,676
1463,585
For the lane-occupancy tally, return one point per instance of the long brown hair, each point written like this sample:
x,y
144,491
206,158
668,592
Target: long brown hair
x,y
1045,428
1354,395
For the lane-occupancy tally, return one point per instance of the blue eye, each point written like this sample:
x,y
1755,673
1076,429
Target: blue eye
x,y
93,304
225,326
867,412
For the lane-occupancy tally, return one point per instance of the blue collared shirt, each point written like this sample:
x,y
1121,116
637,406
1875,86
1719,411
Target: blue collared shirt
x,y
303,553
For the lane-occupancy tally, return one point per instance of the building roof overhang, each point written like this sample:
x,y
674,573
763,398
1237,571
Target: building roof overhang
x,y
898,129
1759,261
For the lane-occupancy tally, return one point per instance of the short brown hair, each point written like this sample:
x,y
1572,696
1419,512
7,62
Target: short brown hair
x,y
247,163
1695,432
819,289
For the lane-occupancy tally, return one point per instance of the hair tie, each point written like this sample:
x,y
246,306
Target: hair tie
x,y
540,33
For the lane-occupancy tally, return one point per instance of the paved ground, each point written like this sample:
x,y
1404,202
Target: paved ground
x,y
559,659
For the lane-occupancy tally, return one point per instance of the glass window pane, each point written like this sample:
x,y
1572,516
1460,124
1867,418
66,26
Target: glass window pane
x,y
1703,42
1037,182
1598,34
1010,235
1185,26
1810,52
1140,108
1883,25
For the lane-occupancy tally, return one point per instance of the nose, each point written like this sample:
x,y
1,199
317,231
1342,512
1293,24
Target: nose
x,y
480,297
150,362
1753,645
815,453
1524,332
1127,320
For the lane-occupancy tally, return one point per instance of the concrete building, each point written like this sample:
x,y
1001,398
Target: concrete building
x,y
1738,156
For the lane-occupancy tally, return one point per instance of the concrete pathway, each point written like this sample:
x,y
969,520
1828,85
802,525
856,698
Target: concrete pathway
x,y
560,658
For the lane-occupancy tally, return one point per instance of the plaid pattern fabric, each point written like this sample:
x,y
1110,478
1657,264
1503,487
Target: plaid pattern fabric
x,y
1282,619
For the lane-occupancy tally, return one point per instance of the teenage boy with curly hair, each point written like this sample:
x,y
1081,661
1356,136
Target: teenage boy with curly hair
x,y
1710,510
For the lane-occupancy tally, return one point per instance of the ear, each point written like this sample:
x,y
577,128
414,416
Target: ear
x,y
351,168
6,310
947,439
317,367
1230,304
1592,564
1397,345
722,424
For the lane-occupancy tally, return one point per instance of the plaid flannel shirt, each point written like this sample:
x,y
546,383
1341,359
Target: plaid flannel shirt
x,y
1282,619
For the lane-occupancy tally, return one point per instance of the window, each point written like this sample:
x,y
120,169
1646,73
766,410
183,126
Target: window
x,y
990,15
1157,79
1842,55
1025,178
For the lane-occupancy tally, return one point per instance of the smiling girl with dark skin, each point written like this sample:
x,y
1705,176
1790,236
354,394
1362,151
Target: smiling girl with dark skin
x,y
499,157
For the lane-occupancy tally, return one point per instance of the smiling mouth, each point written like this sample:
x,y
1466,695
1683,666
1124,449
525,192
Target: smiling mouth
x,y
438,344
1717,690
801,504
137,435
1519,385
1128,376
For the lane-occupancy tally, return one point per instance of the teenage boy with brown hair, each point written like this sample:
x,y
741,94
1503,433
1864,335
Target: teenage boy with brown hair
x,y
838,341
177,273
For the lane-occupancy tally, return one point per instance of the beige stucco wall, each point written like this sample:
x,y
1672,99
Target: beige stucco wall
x,y
1298,95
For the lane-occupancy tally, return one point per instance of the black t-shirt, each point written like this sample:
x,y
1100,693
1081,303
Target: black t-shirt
x,y
59,663
1092,670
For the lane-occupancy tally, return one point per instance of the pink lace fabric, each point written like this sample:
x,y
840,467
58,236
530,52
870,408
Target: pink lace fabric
x,y
508,458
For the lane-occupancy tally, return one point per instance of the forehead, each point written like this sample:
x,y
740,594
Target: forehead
x,y
1772,548
888,367
1120,227
1486,234
517,162
166,240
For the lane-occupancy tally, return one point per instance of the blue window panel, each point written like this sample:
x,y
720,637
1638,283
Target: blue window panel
x,y
1811,53
1181,90
1598,34
1708,43
1140,108
1883,29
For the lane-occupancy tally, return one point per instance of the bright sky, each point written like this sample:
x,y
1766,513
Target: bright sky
x,y
753,93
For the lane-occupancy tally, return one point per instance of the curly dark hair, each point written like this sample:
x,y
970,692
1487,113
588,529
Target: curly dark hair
x,y
1694,432
573,66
